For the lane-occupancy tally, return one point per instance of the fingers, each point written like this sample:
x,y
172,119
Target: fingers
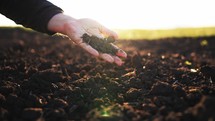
x,y
93,27
107,57
89,49
118,61
112,59
120,52
75,30
108,32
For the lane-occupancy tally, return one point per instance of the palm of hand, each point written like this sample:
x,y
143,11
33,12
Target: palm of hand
x,y
76,29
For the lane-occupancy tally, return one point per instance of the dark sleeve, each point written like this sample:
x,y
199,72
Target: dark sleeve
x,y
34,14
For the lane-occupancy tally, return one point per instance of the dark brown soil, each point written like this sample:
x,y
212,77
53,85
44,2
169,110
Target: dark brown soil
x,y
47,78
102,45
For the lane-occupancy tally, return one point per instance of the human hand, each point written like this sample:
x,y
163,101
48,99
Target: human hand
x,y
76,28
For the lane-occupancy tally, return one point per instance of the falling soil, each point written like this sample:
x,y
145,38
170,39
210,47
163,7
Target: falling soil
x,y
47,78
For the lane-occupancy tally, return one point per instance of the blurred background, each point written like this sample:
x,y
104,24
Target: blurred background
x,y
133,15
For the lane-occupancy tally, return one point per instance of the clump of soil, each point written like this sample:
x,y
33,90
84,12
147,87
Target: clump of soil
x,y
102,45
45,78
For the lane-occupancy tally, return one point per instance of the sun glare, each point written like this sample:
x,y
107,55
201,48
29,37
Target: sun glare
x,y
141,14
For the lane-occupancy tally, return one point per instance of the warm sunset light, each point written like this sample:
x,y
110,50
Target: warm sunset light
x,y
140,14
153,60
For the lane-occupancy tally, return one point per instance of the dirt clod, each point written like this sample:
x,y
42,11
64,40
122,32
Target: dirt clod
x,y
162,88
47,78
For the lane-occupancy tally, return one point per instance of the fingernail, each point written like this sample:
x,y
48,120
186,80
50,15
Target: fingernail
x,y
92,51
121,53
